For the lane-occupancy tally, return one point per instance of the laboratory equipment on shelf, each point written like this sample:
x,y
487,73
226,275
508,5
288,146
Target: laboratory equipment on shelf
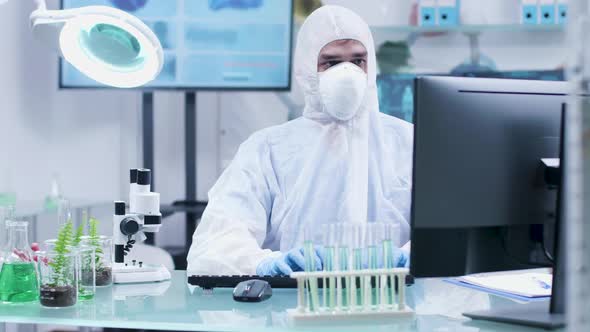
x,y
18,276
108,45
128,228
359,276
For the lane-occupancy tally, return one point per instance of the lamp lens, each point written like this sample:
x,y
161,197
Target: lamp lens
x,y
113,46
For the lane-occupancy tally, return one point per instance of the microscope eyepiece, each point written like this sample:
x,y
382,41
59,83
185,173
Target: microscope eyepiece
x,y
133,175
144,177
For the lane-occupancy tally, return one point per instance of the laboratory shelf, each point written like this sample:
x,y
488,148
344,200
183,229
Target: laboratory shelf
x,y
477,28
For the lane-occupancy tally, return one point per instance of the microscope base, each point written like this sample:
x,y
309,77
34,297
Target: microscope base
x,y
134,274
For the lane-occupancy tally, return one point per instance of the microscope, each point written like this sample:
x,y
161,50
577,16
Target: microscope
x,y
129,227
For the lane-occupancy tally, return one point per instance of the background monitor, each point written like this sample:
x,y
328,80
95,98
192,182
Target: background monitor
x,y
209,44
479,195
396,91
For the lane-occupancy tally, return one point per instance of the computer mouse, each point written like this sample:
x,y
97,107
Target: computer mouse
x,y
252,291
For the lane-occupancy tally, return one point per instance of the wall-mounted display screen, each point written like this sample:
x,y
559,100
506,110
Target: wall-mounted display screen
x,y
209,44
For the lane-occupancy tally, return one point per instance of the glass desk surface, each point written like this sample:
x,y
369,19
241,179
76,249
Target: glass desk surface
x,y
173,305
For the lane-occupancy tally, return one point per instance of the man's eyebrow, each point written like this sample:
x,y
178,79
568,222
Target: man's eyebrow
x,y
330,56
339,56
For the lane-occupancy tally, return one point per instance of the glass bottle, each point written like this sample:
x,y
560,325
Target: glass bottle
x,y
18,277
53,198
64,212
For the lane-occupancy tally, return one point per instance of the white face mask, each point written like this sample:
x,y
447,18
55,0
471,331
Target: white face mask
x,y
342,90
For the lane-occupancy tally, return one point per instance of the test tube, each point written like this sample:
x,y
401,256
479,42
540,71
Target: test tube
x,y
344,242
387,263
373,242
380,239
323,230
391,241
330,253
310,266
357,265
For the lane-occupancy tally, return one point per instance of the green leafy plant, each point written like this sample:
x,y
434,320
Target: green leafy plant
x,y
94,241
61,260
78,235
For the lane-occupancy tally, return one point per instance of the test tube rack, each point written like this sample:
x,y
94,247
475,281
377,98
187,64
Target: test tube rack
x,y
366,293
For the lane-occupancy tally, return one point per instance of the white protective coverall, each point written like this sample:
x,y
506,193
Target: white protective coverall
x,y
309,171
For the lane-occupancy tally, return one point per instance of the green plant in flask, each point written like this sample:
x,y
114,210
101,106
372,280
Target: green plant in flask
x,y
59,280
102,255
86,263
87,271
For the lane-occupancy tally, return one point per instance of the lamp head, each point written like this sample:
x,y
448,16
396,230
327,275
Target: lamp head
x,y
108,45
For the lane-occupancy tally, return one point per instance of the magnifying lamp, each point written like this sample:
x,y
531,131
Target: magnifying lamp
x,y
106,44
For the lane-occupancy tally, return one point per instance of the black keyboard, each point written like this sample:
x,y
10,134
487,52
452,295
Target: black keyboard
x,y
210,282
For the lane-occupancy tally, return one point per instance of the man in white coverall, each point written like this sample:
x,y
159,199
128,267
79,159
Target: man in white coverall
x,y
341,162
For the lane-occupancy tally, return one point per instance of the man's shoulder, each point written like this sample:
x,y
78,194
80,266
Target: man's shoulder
x,y
392,123
395,127
274,134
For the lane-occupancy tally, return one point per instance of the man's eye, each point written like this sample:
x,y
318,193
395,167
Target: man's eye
x,y
359,62
331,63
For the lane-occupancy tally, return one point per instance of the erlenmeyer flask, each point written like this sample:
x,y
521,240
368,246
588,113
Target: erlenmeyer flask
x,y
18,277
6,213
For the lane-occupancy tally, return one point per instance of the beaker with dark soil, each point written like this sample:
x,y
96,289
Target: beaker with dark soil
x,y
58,278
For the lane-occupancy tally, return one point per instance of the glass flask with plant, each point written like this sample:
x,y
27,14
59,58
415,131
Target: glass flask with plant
x,y
86,263
58,271
103,248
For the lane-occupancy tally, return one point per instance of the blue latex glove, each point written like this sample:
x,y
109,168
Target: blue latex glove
x,y
401,258
289,262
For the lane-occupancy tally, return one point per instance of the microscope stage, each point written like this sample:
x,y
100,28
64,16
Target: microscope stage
x,y
134,273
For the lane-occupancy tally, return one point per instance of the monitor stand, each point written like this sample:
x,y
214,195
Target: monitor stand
x,y
547,315
534,314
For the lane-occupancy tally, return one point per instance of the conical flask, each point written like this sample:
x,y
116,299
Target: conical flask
x,y
18,277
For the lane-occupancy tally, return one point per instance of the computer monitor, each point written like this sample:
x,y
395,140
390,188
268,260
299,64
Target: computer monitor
x,y
214,44
477,171
479,190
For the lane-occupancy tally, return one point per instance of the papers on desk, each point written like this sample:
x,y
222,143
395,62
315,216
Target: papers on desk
x,y
550,162
526,286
